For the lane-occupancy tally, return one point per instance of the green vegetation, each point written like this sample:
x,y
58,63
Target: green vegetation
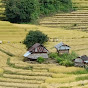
x,y
18,67
65,59
30,10
51,6
84,71
82,78
53,55
8,53
40,60
22,10
10,64
1,71
35,37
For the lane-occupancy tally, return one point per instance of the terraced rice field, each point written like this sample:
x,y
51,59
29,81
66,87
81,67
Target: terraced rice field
x,y
75,20
19,74
2,10
15,73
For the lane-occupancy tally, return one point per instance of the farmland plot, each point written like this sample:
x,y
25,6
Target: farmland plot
x,y
19,74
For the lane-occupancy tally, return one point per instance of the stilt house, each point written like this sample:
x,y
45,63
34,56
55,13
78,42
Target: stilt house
x,y
81,61
62,48
37,50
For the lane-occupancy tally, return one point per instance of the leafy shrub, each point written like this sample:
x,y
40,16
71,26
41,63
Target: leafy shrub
x,y
40,60
67,62
67,59
35,37
53,55
59,59
64,59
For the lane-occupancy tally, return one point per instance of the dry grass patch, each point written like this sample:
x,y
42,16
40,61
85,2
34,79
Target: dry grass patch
x,y
60,80
1,71
63,69
61,75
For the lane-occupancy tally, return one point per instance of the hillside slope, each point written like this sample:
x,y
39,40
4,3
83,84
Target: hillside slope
x,y
15,33
2,10
75,20
19,74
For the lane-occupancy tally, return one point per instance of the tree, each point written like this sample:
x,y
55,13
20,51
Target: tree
x,y
22,10
35,37
19,11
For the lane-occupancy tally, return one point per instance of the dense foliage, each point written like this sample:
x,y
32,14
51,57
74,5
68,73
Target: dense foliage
x,y
22,10
64,59
35,37
40,60
52,6
30,10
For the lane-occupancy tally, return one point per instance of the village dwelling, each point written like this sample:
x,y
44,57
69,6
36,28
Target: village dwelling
x,y
37,50
81,61
62,48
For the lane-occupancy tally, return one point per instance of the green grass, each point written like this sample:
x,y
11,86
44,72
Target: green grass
x,y
82,78
14,66
84,71
8,53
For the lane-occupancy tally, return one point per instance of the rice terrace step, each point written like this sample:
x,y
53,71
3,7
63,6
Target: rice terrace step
x,y
70,27
74,18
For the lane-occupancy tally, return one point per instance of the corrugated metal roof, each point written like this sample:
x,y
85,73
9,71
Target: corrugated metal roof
x,y
27,54
84,58
86,61
62,46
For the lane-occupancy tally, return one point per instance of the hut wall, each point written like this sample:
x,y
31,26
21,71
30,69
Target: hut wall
x,y
36,55
79,62
63,51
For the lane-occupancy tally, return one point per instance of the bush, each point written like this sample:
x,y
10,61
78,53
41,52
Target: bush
x,y
53,55
22,10
66,62
64,59
40,60
59,59
35,37
67,59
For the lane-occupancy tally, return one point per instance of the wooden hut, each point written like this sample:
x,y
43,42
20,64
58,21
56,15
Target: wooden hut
x,y
62,48
37,50
81,61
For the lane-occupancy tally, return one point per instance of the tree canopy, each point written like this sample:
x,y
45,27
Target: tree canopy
x,y
30,10
35,37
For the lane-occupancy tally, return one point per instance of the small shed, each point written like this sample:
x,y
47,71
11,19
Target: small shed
x,y
62,48
81,61
37,50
